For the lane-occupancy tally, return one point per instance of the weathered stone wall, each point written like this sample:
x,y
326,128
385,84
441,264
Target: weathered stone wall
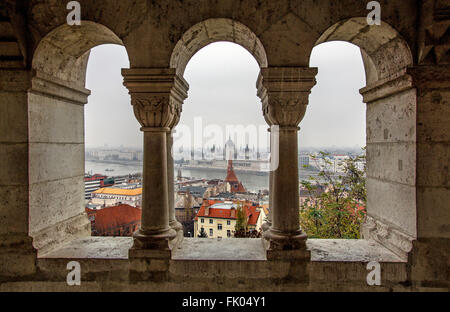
x,y
332,268
433,186
16,251
56,133
391,164
42,76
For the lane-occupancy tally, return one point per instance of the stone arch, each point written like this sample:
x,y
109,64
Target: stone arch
x,y
213,30
385,53
56,133
64,52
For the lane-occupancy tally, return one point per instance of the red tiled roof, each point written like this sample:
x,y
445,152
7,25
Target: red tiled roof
x,y
252,215
111,217
221,213
237,187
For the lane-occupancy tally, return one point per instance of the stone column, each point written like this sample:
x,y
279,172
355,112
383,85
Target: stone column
x,y
173,222
156,97
284,94
266,225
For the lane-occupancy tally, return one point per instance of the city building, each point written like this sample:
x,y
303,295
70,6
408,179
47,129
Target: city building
x,y
110,196
186,208
303,161
95,182
230,151
339,163
114,155
305,195
218,218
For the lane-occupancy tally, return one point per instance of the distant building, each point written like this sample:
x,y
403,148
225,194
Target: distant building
x,y
305,195
196,191
339,163
218,218
232,180
230,150
303,161
110,196
121,179
186,208
95,182
121,220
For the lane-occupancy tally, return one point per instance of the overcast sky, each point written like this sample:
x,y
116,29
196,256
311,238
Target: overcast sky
x,y
222,78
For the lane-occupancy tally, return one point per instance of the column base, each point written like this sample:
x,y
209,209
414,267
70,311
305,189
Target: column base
x,y
152,244
280,245
150,256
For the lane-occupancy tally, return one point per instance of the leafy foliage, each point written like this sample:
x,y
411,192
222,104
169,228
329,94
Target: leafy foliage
x,y
202,233
335,205
247,234
241,227
241,219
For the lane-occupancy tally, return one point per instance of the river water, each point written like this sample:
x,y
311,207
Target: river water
x,y
252,182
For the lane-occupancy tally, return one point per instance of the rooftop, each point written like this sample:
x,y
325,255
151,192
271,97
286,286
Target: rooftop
x,y
119,191
227,210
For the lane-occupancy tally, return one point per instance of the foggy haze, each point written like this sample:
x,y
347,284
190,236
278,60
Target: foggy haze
x,y
222,79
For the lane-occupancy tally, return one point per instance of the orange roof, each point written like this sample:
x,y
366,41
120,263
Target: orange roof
x,y
119,191
111,217
222,213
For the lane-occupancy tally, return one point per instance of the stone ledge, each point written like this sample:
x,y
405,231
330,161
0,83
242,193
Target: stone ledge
x,y
237,249
228,249
95,247
349,250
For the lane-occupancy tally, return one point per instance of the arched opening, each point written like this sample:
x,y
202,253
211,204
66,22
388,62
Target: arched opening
x,y
213,30
113,151
221,121
56,133
390,131
331,140
385,53
222,111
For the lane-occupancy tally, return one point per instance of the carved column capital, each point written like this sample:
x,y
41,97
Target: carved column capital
x,y
157,95
284,93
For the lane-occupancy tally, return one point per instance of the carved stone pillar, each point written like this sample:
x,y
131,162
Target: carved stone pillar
x,y
156,96
266,225
284,94
181,93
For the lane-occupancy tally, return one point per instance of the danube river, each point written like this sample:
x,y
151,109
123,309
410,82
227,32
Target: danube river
x,y
252,182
